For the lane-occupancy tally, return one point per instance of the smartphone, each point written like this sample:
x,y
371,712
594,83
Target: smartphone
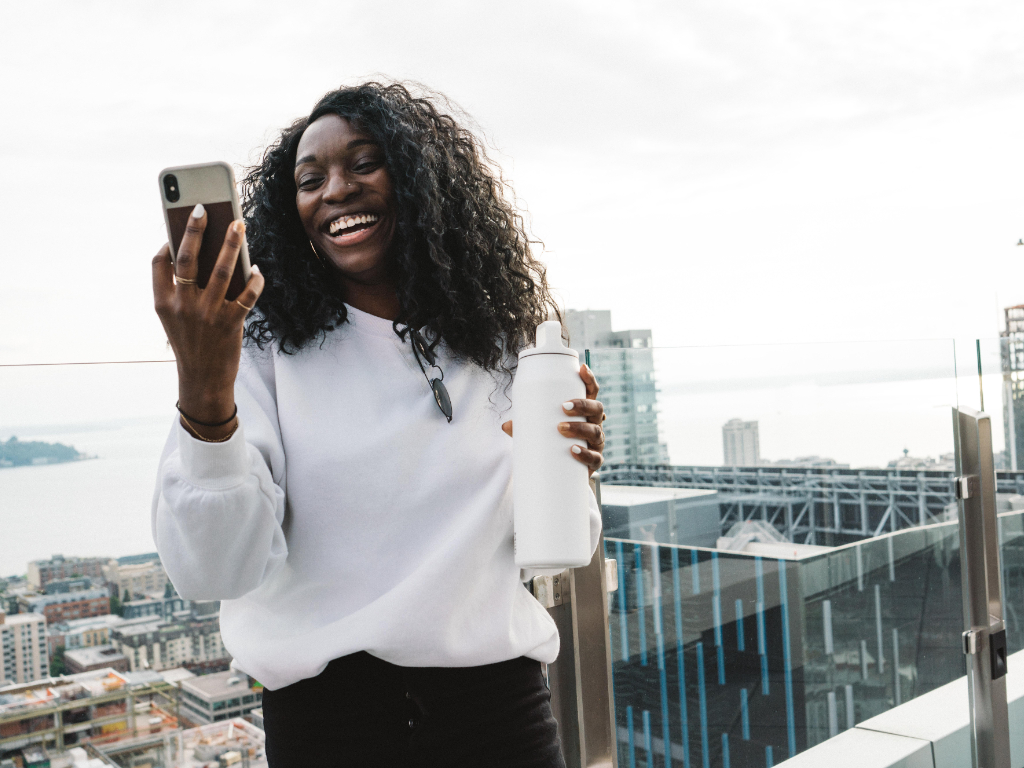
x,y
212,184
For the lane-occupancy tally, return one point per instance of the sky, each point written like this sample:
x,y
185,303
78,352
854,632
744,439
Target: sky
x,y
837,184
720,172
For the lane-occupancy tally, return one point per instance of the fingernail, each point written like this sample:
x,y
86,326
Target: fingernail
x,y
568,406
198,211
563,427
256,269
577,450
238,226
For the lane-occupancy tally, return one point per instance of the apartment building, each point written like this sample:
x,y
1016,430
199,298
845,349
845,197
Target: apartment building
x,y
192,641
67,606
129,580
82,633
42,572
24,649
162,607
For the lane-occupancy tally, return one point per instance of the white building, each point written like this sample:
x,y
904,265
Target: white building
x,y
219,696
23,643
740,443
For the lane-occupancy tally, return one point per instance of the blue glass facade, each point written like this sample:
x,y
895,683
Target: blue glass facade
x,y
735,660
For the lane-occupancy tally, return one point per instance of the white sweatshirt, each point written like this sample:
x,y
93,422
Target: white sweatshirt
x,y
346,514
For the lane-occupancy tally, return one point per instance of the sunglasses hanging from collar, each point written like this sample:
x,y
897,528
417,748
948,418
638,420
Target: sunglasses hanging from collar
x,y
421,349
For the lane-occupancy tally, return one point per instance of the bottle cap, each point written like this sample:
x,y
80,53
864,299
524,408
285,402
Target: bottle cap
x,y
549,342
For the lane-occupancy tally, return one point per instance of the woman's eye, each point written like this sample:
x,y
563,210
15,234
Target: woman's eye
x,y
367,166
308,183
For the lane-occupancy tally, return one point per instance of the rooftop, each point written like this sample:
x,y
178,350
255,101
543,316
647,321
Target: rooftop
x,y
208,742
66,597
80,625
218,685
97,654
20,618
177,674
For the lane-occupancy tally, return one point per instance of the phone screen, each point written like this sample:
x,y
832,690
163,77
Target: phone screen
x,y
218,218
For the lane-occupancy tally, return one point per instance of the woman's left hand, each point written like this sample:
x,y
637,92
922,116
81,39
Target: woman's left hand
x,y
589,431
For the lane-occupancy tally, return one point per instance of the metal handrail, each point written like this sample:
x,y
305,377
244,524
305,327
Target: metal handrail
x,y
984,636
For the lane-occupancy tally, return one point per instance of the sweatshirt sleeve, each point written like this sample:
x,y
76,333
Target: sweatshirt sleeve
x,y
218,507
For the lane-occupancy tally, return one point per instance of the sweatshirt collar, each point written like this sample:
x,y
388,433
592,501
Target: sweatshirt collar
x,y
369,324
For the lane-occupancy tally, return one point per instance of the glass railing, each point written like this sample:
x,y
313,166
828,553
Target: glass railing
x,y
789,555
741,659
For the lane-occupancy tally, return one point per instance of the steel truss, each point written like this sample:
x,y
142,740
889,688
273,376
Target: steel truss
x,y
816,505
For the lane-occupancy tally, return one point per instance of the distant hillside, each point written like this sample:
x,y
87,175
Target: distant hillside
x,y
15,453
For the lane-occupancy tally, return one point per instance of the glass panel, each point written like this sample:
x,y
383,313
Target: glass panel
x,y
788,574
777,654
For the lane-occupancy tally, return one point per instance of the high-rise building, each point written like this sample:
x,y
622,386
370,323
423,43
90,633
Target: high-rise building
x,y
23,645
740,443
623,362
1012,348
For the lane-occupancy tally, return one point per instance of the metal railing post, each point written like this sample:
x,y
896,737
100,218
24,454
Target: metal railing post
x,y
581,678
984,637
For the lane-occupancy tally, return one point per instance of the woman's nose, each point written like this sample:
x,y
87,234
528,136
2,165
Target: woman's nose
x,y
340,187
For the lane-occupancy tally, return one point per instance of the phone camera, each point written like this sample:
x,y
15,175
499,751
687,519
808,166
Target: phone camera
x,y
171,188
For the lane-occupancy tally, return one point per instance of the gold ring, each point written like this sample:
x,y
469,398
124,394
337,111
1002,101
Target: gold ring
x,y
247,309
184,280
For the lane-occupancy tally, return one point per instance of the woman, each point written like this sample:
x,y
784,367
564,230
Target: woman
x,y
358,531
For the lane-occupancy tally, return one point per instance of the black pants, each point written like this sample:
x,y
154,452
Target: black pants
x,y
361,711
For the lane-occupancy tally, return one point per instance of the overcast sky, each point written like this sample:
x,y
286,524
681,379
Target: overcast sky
x,y
721,172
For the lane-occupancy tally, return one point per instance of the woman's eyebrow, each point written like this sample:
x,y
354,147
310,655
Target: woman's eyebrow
x,y
351,145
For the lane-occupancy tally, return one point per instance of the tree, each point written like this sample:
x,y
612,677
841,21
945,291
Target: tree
x,y
115,606
57,662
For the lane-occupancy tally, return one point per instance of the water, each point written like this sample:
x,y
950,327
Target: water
x,y
99,507
93,508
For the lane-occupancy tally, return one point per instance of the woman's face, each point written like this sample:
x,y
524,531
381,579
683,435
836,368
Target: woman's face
x,y
345,198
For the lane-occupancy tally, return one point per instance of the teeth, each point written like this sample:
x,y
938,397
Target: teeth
x,y
351,221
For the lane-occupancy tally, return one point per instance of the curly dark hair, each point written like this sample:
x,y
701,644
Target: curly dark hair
x,y
461,253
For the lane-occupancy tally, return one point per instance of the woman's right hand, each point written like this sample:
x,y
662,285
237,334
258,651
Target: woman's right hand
x,y
204,329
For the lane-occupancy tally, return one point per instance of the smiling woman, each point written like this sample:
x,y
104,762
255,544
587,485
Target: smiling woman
x,y
361,541
458,258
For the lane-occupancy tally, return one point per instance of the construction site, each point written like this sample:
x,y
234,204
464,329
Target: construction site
x,y
109,718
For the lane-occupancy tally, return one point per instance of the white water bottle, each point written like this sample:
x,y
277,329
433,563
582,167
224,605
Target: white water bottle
x,y
550,487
